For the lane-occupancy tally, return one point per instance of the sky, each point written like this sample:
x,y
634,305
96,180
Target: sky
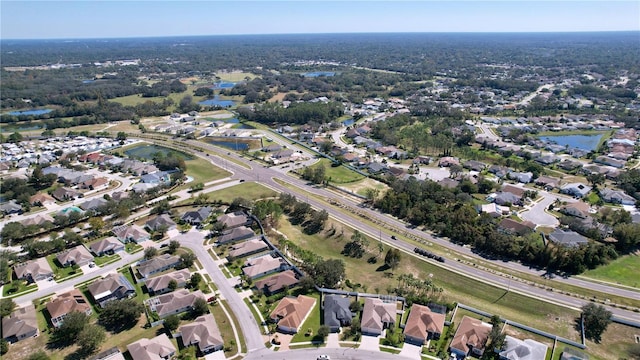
x,y
27,19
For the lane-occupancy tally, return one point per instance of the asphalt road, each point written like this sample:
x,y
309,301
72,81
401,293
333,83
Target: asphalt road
x,y
312,354
266,176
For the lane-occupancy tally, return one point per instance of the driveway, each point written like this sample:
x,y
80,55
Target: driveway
x,y
411,351
333,340
216,355
371,343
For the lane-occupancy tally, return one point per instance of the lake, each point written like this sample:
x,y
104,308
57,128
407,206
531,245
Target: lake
x,y
584,142
230,144
30,112
26,127
319,73
348,122
217,102
147,151
223,85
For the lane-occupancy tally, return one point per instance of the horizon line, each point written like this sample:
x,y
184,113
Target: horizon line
x,y
322,33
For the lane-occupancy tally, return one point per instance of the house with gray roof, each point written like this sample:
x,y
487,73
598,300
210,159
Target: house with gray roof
x,y
78,255
34,270
197,217
236,234
516,349
175,302
578,190
234,219
93,204
161,220
65,194
617,197
160,284
203,332
503,198
131,233
246,248
111,287
158,264
10,207
337,312
567,238
263,265
20,324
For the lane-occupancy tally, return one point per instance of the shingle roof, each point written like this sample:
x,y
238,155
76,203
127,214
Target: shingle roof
x,y
202,331
516,349
105,244
164,219
108,285
470,332
21,321
261,265
68,302
162,282
169,303
156,263
291,312
421,321
159,347
39,266
233,219
336,310
376,312
247,247
76,255
277,282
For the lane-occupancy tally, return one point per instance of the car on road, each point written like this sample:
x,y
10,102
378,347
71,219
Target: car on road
x,y
241,180
323,357
393,237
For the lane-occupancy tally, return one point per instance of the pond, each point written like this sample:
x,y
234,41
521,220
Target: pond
x,y
30,112
348,122
87,81
147,152
25,127
230,144
223,85
584,142
319,73
217,102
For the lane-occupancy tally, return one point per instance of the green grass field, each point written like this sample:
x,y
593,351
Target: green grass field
x,y
247,190
203,171
312,322
234,76
338,174
622,271
133,100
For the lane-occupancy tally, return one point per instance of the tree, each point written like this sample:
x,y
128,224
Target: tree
x,y
172,285
121,136
150,253
6,307
323,332
392,258
172,322
96,224
40,355
495,339
90,338
200,307
595,179
596,320
174,245
195,280
120,314
327,273
187,259
71,327
4,346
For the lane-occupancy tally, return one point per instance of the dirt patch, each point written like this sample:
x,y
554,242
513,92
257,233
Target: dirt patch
x,y
278,97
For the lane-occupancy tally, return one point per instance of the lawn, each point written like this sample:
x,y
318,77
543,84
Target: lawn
x,y
17,287
106,259
338,174
133,100
312,323
513,306
203,171
61,272
623,270
132,248
247,190
224,325
234,76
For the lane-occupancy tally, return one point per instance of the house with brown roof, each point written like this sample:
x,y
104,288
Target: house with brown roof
x,y
423,324
235,234
377,315
111,287
511,226
470,338
175,302
20,324
246,248
131,233
159,221
38,220
292,312
107,246
203,332
66,303
158,264
159,347
99,183
78,255
278,282
160,284
235,219
519,192
34,270
578,209
262,265
65,194
41,199
548,182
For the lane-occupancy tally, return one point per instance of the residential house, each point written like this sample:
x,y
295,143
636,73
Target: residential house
x,y
235,219
474,165
10,207
448,161
34,270
547,182
423,324
511,226
523,177
202,332
160,347
160,284
175,302
567,238
519,192
578,209
292,312
272,147
605,160
65,194
63,304
235,234
578,190
39,220
78,255
197,217
119,195
131,233
20,324
336,312
377,315
158,264
111,287
505,198
278,282
493,209
158,177
93,204
499,171
106,246
109,354
617,197
262,265
100,183
470,338
449,183
246,248
516,349
159,221
41,199
376,167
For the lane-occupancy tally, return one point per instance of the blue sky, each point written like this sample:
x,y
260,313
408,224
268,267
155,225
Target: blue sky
x,y
106,19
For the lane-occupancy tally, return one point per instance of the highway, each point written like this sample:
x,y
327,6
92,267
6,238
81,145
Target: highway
x,y
301,189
